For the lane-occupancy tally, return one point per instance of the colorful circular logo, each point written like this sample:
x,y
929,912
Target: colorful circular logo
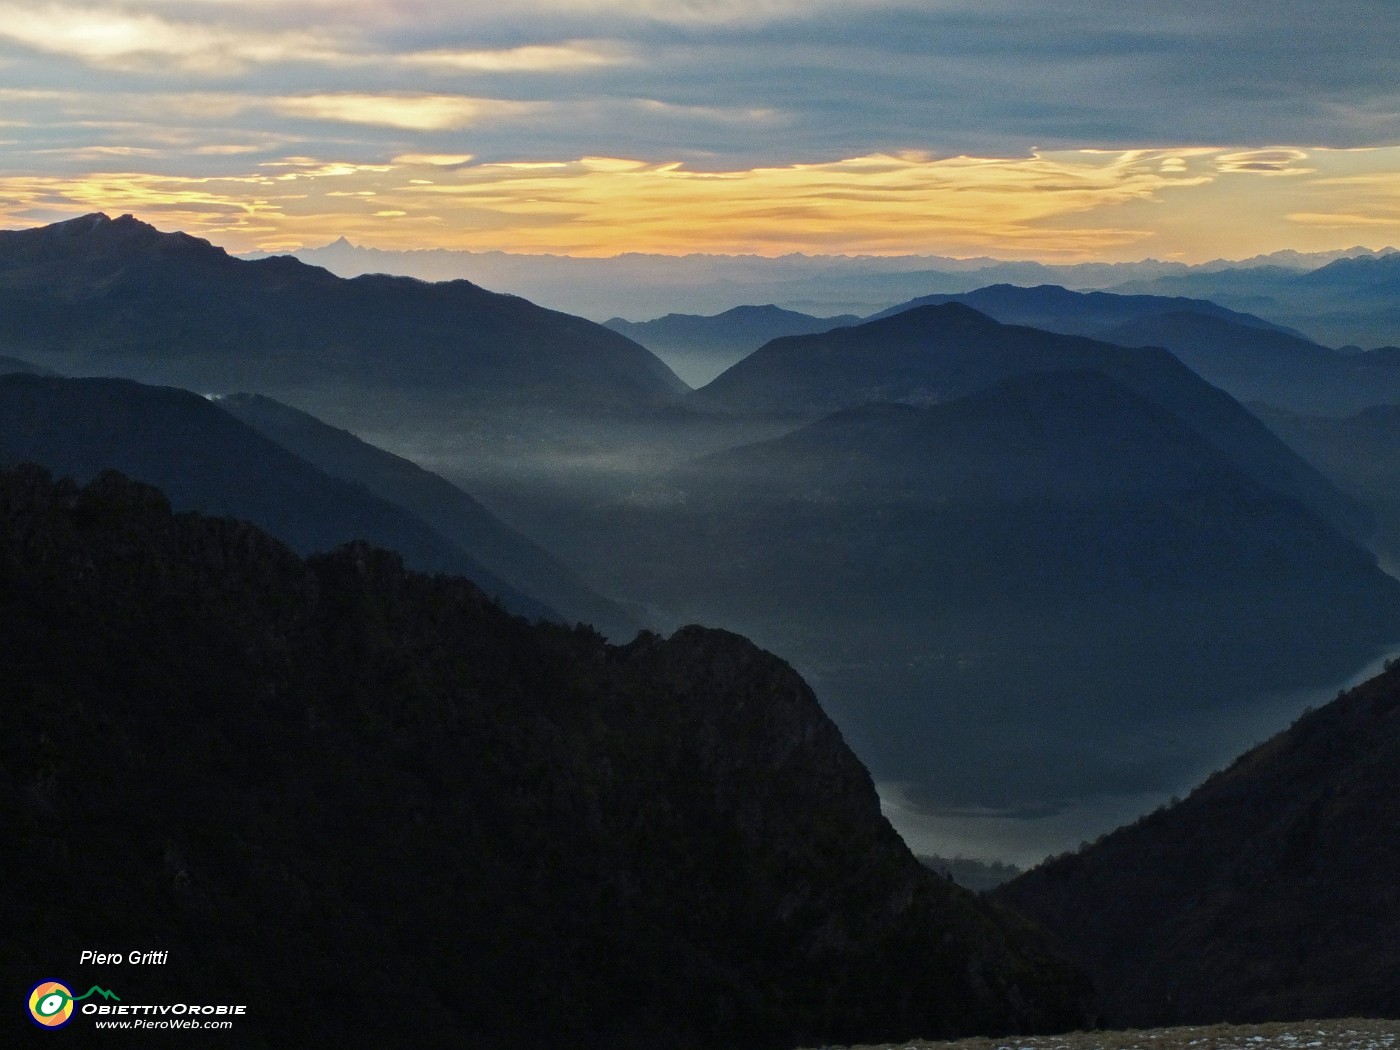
x,y
51,1004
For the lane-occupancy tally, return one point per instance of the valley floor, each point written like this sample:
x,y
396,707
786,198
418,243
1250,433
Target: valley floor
x,y
1347,1034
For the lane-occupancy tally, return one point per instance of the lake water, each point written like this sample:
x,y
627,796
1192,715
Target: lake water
x,y
1025,840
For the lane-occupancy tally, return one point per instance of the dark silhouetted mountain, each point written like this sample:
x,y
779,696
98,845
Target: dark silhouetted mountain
x,y
1361,454
1255,364
1057,309
337,791
699,348
932,354
1028,593
1268,894
14,364
452,513
116,296
208,461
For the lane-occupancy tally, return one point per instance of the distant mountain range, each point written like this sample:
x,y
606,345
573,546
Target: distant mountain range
x,y
1251,358
931,354
105,296
1057,309
639,286
1367,276
1269,893
1349,301
336,791
266,471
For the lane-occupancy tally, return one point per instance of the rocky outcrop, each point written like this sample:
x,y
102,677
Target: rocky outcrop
x,y
382,811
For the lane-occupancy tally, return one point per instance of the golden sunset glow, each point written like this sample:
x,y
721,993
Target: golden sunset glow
x,y
1074,131
119,40
513,60
408,112
1063,206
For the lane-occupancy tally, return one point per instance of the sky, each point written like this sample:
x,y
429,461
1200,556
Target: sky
x,y
1058,130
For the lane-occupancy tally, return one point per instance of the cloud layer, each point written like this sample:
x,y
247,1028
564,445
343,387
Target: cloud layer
x,y
804,99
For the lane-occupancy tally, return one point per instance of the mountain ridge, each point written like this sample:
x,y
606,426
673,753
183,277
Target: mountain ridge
x,y
707,284
1249,357
175,309
1055,308
939,352
212,462
452,513
1271,366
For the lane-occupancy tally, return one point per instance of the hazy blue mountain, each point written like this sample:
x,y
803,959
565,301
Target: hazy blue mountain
x,y
1251,358
116,296
1026,594
1057,309
931,354
452,513
380,812
1387,356
635,284
1361,454
1368,276
1254,289
14,364
1347,301
1255,364
698,348
1294,260
208,461
1268,894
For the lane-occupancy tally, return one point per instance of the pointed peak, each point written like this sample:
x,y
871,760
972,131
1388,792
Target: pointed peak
x,y
99,220
83,223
